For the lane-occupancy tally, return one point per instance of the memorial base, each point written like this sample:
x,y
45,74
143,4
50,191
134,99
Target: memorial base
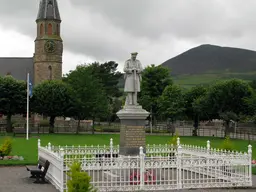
x,y
132,132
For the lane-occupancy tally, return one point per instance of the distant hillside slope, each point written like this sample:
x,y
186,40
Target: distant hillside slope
x,y
211,58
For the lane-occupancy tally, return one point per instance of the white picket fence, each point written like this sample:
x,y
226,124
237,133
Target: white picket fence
x,y
163,167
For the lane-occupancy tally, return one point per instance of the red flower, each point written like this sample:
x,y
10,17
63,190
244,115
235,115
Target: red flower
x,y
149,178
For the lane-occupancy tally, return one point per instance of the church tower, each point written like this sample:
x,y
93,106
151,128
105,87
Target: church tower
x,y
48,43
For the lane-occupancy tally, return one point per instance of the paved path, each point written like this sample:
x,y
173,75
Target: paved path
x,y
16,179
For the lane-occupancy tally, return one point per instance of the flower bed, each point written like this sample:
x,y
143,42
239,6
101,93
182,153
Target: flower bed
x,y
17,158
149,178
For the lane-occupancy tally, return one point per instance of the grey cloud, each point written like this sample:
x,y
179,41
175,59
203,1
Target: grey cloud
x,y
111,29
16,7
187,19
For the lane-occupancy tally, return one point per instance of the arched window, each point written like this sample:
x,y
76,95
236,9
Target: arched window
x,y
58,29
50,72
41,29
49,29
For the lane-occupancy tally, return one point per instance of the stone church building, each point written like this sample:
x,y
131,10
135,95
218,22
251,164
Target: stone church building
x,y
46,62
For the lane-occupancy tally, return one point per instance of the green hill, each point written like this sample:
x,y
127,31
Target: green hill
x,y
207,63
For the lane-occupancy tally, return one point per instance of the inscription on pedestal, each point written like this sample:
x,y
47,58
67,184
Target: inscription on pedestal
x,y
131,139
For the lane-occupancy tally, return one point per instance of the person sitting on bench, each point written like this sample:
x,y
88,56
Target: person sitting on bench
x,y
40,172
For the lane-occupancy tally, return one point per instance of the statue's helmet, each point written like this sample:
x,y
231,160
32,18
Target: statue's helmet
x,y
134,53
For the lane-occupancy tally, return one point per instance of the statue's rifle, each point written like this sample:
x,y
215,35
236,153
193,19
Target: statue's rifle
x,y
135,86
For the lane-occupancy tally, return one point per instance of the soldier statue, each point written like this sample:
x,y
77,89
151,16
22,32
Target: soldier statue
x,y
132,76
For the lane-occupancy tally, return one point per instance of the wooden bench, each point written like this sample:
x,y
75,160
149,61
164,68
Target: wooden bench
x,y
40,171
20,130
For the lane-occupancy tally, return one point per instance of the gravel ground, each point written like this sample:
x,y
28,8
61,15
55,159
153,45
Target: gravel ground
x,y
16,179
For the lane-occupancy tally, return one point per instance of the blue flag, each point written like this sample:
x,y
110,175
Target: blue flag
x,y
30,86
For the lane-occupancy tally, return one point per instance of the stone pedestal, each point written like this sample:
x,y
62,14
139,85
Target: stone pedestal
x,y
132,132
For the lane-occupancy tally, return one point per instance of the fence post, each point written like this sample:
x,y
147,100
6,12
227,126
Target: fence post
x,y
111,150
179,156
178,141
38,146
142,156
61,169
49,146
208,146
38,143
111,159
250,163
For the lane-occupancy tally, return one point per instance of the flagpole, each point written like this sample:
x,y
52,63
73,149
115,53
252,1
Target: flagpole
x,y
27,105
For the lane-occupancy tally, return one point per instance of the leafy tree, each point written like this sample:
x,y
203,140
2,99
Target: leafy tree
x,y
113,108
109,77
190,97
12,98
253,84
92,101
53,99
171,103
154,81
251,102
226,100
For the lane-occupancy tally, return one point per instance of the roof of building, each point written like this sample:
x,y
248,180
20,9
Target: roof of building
x,y
18,67
48,9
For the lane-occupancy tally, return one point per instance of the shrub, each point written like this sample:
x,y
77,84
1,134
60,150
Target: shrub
x,y
227,144
174,139
79,181
6,147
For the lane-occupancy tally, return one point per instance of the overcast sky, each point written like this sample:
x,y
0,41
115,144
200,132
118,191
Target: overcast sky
x,y
103,30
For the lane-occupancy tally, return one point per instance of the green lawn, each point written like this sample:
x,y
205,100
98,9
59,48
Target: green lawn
x,y
28,149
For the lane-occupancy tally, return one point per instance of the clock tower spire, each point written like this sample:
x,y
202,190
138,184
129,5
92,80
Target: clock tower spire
x,y
48,43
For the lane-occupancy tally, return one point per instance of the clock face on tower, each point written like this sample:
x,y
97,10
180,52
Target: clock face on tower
x,y
49,46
